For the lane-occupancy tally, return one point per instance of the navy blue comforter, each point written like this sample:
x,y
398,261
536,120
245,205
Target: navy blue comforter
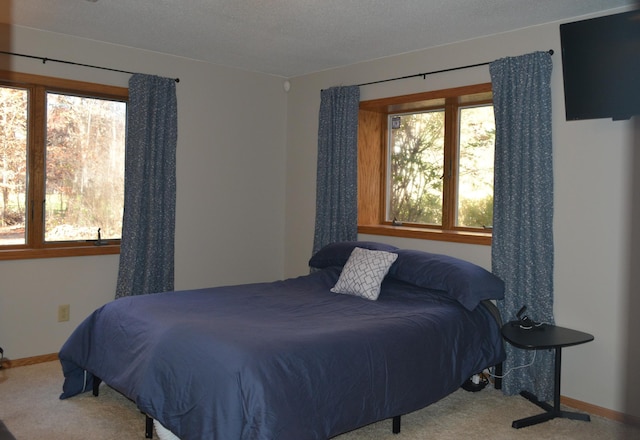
x,y
281,360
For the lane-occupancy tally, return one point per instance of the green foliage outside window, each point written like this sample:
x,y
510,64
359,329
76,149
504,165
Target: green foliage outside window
x,y
417,142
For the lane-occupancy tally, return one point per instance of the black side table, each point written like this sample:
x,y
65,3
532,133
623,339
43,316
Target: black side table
x,y
544,337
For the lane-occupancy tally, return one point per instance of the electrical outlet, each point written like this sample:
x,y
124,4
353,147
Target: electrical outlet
x,y
63,313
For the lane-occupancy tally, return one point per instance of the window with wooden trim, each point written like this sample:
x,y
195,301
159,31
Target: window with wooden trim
x,y
425,165
62,147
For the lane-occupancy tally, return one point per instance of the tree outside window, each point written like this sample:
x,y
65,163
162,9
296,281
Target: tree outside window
x,y
84,167
431,155
13,165
62,146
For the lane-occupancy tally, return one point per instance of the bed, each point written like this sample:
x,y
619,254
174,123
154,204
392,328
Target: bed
x,y
372,333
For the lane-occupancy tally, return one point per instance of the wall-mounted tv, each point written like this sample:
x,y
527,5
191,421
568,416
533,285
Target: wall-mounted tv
x,y
601,67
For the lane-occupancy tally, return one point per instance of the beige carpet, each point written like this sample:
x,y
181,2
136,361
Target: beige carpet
x,y
30,408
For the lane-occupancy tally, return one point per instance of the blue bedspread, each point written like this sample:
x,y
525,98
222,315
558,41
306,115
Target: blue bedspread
x,y
281,360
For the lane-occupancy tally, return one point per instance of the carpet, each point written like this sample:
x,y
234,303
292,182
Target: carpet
x,y
4,432
31,409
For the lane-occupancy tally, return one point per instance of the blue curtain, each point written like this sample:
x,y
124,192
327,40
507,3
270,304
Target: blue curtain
x,y
148,225
337,176
522,248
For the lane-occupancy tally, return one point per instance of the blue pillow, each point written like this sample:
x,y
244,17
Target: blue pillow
x,y
337,254
466,282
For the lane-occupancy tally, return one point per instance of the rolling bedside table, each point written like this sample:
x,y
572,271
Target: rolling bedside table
x,y
541,337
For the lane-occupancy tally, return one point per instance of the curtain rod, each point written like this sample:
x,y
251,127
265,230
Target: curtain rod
x,y
44,60
423,75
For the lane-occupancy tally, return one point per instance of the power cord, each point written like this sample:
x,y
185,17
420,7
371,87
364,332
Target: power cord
x,y
478,382
515,368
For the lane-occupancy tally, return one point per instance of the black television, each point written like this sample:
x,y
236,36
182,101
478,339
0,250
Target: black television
x,y
601,67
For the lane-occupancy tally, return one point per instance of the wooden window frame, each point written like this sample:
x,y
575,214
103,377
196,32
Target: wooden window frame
x,y
38,86
372,165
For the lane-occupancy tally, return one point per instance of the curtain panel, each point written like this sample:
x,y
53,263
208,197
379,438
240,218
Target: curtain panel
x,y
337,169
148,225
522,249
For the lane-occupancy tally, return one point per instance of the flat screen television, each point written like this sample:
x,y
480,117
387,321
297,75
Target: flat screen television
x,y
601,67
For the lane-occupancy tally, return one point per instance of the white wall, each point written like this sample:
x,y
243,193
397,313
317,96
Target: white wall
x,y
592,175
230,180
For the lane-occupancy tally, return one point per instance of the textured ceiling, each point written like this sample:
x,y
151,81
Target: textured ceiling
x,y
289,37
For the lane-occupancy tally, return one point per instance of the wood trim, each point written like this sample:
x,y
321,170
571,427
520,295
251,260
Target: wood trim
x,y
36,162
38,86
23,362
449,178
427,234
60,84
71,251
370,166
600,411
383,104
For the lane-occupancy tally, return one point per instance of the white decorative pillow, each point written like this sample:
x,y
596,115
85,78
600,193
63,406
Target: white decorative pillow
x,y
363,273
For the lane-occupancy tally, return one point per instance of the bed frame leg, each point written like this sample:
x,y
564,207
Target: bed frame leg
x,y
396,425
148,427
96,385
497,384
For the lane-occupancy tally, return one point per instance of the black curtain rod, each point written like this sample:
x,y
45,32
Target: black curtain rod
x,y
44,60
423,75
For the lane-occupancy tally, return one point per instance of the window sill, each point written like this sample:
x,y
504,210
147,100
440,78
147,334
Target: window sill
x,y
77,251
483,238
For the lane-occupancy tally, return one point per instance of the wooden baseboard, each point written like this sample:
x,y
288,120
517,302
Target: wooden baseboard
x,y
600,411
11,363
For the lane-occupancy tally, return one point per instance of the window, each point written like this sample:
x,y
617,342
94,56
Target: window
x,y
425,165
61,166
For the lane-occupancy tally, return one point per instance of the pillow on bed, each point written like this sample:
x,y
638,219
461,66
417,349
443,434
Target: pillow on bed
x,y
363,273
337,254
466,282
